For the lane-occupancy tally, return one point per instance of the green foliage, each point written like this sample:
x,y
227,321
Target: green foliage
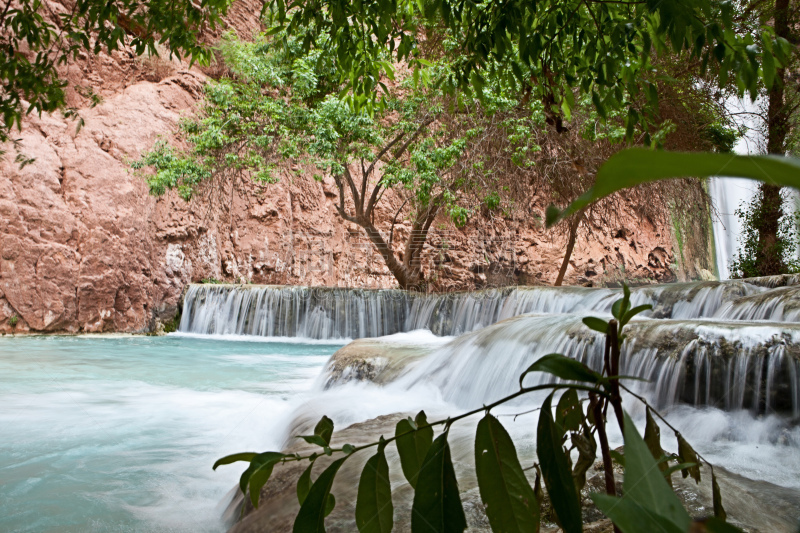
x,y
635,166
511,504
13,321
374,510
784,248
550,49
35,43
173,171
414,438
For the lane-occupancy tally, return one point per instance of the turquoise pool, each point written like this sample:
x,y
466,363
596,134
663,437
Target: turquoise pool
x,y
119,433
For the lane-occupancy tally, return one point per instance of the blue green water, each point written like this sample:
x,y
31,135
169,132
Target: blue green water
x,y
119,433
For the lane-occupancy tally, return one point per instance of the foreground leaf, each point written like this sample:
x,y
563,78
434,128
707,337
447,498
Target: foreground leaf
x,y
630,517
413,444
562,367
311,518
437,504
596,324
719,510
374,511
511,504
304,484
260,460
228,459
568,411
556,472
688,455
323,432
652,437
644,483
634,166
259,478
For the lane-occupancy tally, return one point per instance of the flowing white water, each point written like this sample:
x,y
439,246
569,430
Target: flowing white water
x,y
119,434
321,313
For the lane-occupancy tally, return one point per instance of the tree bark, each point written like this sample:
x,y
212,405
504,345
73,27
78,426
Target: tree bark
x,y
573,234
768,259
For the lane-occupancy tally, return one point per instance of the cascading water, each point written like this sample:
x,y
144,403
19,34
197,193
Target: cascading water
x,y
323,313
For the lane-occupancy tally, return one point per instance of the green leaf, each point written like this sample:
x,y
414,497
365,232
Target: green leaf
x,y
644,483
634,166
562,367
304,484
633,312
596,324
412,445
257,462
315,507
555,470
719,510
511,504
258,479
630,517
568,411
374,511
688,455
437,504
322,433
652,437
228,459
324,429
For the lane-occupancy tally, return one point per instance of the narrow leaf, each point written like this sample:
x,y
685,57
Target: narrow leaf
x,y
511,504
562,367
652,437
374,511
311,518
413,444
630,517
719,510
555,470
324,429
635,311
257,462
304,484
437,504
228,459
688,455
568,411
596,324
644,482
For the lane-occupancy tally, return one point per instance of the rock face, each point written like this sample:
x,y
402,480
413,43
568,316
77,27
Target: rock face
x,y
83,248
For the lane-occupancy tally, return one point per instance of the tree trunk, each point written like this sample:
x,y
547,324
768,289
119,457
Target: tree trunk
x,y
768,259
573,234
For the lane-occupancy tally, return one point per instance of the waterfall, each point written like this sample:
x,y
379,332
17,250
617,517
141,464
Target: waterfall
x,y
728,195
330,313
731,366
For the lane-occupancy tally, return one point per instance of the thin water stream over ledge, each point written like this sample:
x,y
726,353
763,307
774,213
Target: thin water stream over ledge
x,y
119,433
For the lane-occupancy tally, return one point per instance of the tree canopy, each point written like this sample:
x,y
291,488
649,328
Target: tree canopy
x,y
36,40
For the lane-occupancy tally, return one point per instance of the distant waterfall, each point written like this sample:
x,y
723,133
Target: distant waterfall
x,y
728,195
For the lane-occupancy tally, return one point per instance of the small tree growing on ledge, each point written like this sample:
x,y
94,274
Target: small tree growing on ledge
x,y
285,106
